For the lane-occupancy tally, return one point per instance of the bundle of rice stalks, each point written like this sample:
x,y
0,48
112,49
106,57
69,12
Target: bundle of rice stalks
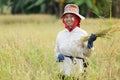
x,y
106,33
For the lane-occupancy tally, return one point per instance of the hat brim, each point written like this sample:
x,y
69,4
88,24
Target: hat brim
x,y
80,16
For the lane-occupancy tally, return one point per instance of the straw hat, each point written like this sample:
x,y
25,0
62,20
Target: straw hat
x,y
74,9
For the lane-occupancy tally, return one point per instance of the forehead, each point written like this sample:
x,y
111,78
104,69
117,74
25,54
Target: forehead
x,y
67,15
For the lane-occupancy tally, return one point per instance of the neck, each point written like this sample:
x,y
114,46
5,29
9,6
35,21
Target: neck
x,y
70,28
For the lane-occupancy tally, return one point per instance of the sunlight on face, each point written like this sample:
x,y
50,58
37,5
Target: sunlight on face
x,y
69,19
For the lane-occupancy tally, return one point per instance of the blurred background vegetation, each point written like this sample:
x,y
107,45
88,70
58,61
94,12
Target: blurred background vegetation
x,y
88,8
27,41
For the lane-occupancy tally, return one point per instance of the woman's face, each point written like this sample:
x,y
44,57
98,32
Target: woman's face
x,y
69,20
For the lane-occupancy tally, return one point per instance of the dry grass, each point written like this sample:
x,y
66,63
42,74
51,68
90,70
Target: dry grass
x,y
27,44
106,33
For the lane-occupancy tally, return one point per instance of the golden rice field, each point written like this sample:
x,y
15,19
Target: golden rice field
x,y
27,48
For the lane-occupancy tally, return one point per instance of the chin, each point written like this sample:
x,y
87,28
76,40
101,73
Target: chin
x,y
70,25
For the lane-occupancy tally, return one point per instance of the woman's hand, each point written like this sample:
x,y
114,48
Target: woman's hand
x,y
60,57
92,38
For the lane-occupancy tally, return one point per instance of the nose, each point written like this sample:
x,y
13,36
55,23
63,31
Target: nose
x,y
69,19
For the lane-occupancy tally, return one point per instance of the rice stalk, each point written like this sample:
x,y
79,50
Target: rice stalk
x,y
106,33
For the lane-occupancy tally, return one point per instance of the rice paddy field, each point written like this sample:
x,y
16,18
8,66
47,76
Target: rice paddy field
x,y
27,48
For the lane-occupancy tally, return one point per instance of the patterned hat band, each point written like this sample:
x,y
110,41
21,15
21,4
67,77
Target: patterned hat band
x,y
71,8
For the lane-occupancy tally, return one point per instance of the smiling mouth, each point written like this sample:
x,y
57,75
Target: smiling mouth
x,y
69,22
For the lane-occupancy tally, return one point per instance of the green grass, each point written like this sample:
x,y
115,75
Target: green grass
x,y
27,48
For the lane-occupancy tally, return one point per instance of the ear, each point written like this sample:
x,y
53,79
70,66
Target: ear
x,y
63,20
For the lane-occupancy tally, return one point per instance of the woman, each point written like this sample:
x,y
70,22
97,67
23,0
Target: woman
x,y
69,51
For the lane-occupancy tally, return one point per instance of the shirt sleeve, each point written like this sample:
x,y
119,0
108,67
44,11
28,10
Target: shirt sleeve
x,y
56,50
87,52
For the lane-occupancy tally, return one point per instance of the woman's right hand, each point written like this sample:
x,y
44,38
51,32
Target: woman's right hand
x,y
60,57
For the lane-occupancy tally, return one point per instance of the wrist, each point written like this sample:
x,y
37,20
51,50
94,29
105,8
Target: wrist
x,y
89,45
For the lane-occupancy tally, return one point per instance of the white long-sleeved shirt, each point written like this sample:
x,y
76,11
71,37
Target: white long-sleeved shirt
x,y
68,43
